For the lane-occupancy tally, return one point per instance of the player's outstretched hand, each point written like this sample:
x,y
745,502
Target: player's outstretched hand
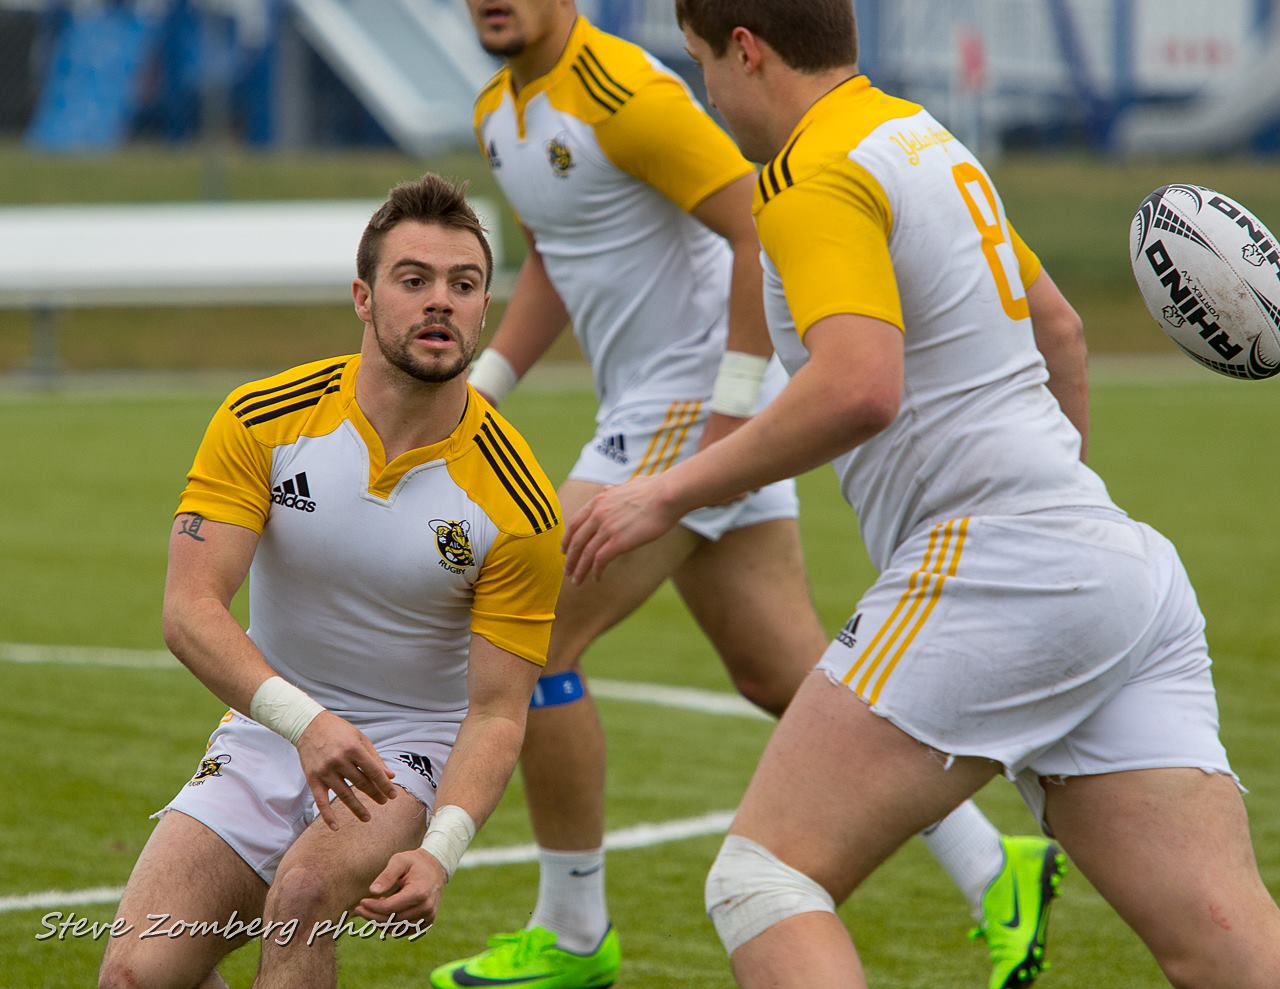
x,y
618,519
337,756
409,887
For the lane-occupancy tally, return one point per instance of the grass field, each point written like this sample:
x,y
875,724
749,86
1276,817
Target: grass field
x,y
91,749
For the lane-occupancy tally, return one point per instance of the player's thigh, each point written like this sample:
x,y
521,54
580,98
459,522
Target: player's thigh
x,y
185,874
838,788
334,868
749,593
1169,849
586,610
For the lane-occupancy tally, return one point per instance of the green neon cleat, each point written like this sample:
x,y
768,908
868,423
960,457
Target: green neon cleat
x,y
530,958
1015,911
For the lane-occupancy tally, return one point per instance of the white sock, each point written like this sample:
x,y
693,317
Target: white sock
x,y
967,845
571,898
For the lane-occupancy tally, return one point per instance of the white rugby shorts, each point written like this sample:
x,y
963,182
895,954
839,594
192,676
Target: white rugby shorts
x,y
645,438
1058,643
250,791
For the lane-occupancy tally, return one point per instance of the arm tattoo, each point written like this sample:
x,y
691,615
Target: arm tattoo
x,y
191,527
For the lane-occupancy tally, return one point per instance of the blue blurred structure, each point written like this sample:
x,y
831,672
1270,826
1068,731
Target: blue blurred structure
x,y
91,94
1123,76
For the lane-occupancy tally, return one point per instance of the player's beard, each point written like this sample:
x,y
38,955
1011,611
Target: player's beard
x,y
399,354
511,48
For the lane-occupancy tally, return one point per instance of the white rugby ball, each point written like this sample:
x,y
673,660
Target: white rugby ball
x,y
1209,273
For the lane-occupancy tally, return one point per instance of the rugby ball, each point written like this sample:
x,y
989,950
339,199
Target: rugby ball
x,y
1209,273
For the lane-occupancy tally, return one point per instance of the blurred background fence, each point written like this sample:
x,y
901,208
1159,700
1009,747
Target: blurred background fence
x,y
160,100
93,75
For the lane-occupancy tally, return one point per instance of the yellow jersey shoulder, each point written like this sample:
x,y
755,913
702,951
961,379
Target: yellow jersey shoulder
x,y
828,133
500,474
602,73
302,400
490,96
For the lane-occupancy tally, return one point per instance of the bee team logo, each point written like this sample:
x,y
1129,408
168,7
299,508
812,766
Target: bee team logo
x,y
209,768
560,157
453,540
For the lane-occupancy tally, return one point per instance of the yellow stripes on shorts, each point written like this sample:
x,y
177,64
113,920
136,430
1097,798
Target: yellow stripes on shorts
x,y
667,441
946,543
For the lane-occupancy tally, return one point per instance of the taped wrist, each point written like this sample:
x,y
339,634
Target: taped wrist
x,y
737,387
448,836
282,707
493,374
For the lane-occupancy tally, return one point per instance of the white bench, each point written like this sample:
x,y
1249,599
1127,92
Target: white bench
x,y
182,254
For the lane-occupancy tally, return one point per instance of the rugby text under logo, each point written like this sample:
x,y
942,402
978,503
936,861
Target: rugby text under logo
x,y
453,540
209,768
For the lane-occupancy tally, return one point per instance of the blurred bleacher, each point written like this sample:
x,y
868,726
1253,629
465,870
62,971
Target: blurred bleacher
x,y
1124,76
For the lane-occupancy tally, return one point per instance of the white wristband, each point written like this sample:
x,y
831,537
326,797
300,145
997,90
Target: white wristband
x,y
282,707
493,374
737,387
448,836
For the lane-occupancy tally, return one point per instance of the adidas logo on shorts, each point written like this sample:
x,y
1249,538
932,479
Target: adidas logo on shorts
x,y
294,493
848,635
614,447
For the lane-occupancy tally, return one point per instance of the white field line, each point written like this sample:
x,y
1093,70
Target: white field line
x,y
637,836
686,698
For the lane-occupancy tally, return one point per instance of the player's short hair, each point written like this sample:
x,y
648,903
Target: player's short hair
x,y
430,199
810,35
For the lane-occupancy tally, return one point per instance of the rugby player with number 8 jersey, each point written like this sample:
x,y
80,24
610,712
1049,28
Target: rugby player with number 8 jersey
x,y
1021,624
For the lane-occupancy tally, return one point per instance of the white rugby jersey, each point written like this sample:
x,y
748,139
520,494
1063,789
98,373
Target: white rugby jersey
x,y
602,158
370,577
872,208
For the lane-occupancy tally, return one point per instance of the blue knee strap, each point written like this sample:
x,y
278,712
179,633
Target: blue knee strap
x,y
557,689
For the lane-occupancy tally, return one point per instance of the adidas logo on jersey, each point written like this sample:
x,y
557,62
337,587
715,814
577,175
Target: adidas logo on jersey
x,y
294,493
614,447
491,153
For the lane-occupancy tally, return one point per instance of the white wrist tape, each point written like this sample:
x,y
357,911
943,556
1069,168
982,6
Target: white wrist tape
x,y
493,374
282,707
448,836
737,387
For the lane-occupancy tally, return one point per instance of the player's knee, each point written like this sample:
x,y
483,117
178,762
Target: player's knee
x,y
749,889
768,688
770,697
302,891
1187,969
121,972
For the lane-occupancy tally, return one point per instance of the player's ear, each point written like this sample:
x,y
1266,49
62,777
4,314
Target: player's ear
x,y
361,296
746,49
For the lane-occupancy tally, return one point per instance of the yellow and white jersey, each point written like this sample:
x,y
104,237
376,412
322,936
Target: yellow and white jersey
x,y
602,158
873,208
370,577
